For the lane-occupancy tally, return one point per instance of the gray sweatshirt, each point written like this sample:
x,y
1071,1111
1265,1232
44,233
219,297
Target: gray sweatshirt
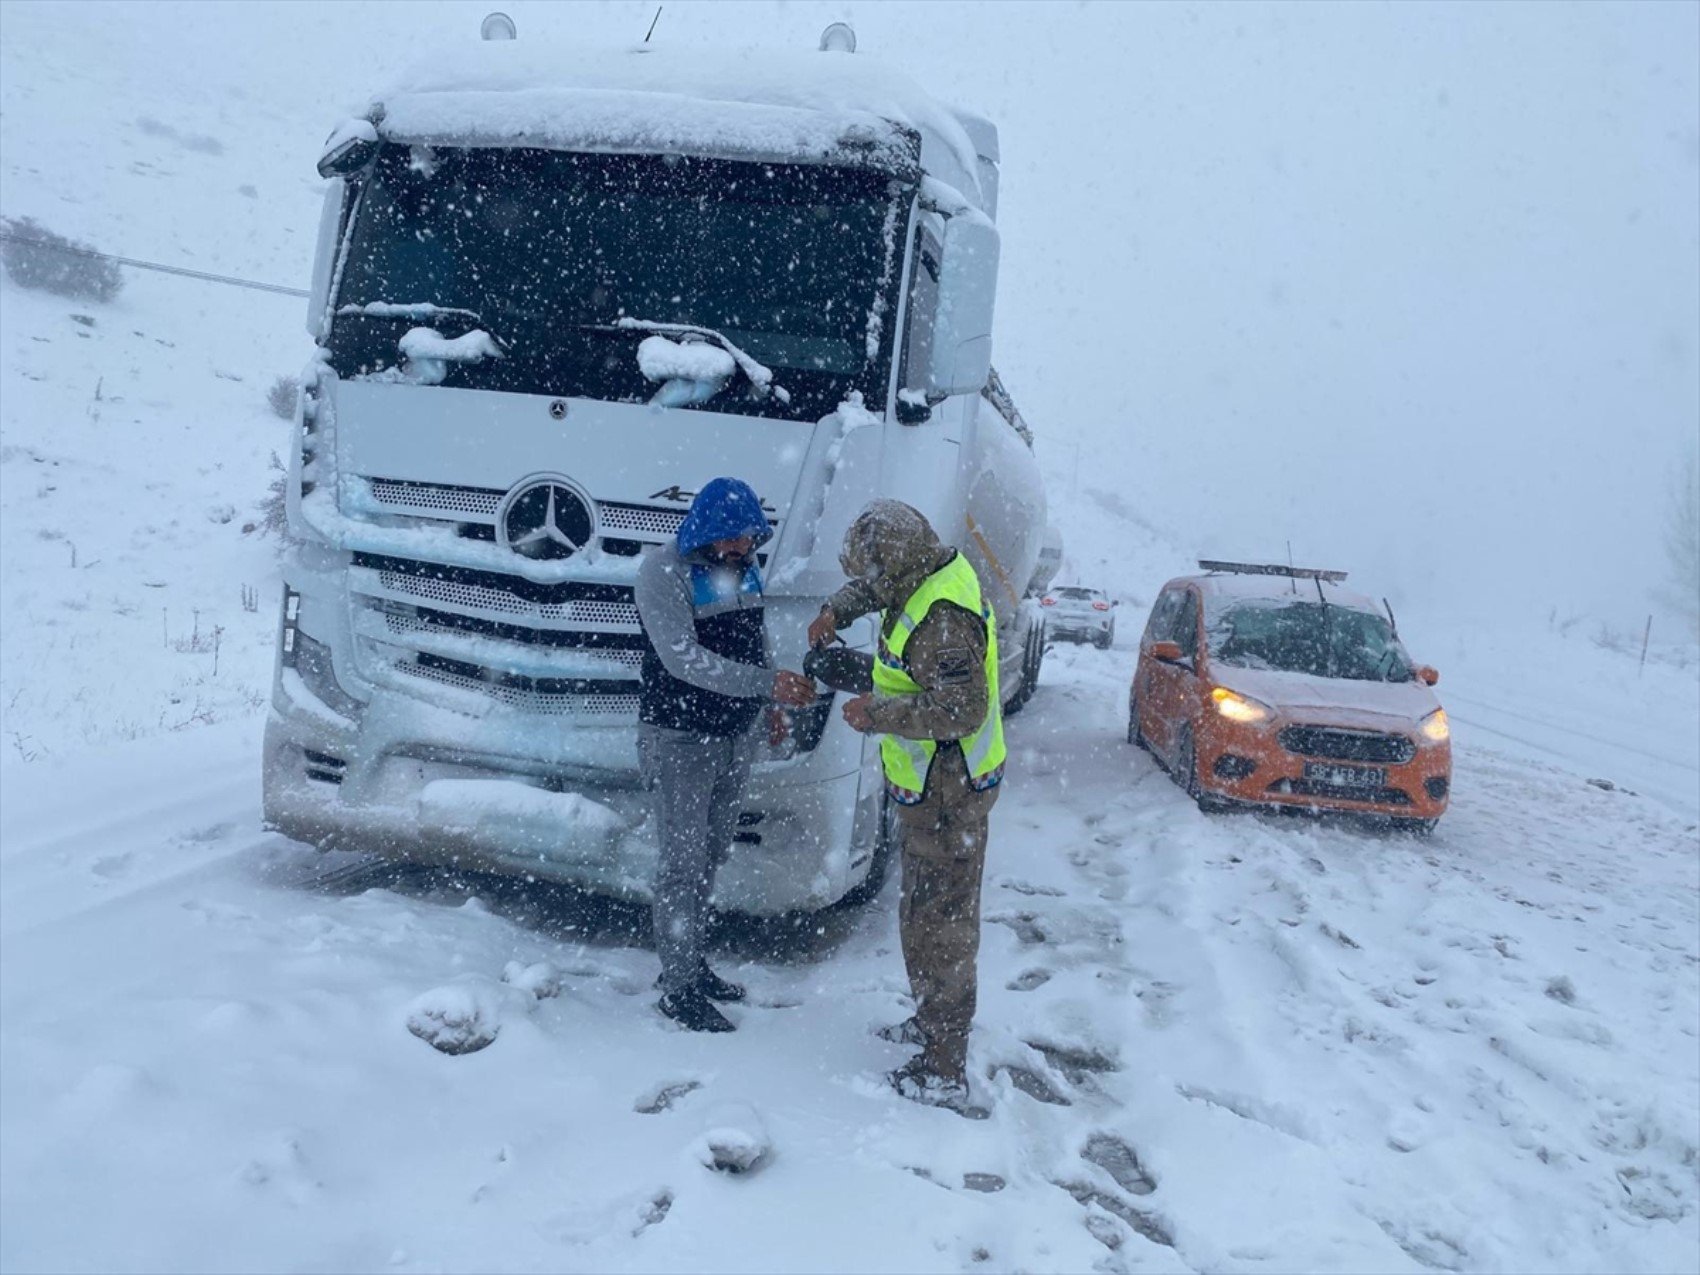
x,y
669,612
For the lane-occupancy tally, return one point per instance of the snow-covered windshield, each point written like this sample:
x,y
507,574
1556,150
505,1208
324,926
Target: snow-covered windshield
x,y
1308,637
548,250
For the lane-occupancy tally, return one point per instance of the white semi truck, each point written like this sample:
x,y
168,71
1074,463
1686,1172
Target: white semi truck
x,y
555,293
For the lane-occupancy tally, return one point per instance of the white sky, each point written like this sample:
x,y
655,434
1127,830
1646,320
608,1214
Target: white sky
x,y
1416,286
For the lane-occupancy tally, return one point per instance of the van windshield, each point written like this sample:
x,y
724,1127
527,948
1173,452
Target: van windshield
x,y
1309,637
546,251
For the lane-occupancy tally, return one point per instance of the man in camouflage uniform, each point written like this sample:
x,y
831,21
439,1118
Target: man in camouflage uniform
x,y
936,699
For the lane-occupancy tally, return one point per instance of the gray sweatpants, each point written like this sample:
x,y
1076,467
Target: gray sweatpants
x,y
697,787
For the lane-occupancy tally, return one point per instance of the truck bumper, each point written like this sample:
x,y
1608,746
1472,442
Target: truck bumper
x,y
422,797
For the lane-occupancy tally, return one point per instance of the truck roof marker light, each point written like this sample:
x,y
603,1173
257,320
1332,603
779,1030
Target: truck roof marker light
x,y
498,26
840,37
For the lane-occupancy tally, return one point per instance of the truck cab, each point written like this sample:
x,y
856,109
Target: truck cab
x,y
554,294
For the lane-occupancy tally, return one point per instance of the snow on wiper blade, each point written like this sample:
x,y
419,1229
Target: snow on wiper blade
x,y
408,310
758,375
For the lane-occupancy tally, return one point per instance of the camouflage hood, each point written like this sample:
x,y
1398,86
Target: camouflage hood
x,y
891,548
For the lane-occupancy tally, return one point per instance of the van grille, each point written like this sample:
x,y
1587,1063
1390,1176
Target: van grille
x,y
1328,793
1347,745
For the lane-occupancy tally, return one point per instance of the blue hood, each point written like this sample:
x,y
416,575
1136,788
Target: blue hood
x,y
723,510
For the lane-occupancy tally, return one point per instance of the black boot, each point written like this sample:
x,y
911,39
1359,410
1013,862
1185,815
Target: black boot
x,y
694,1011
908,1032
716,988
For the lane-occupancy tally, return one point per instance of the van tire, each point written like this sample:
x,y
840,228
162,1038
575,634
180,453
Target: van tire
x,y
1186,767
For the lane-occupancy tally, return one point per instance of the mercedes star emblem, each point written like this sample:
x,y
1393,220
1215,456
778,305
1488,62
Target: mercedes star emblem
x,y
545,518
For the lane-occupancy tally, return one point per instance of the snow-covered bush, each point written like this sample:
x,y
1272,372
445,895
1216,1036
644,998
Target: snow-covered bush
x,y
41,259
274,505
282,395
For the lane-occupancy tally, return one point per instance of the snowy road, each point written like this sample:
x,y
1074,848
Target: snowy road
x,y
1208,1043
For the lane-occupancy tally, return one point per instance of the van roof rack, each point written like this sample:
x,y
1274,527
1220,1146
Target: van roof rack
x,y
1271,569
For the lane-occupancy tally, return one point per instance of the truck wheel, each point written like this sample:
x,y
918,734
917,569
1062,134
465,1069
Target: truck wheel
x,y
879,867
1032,660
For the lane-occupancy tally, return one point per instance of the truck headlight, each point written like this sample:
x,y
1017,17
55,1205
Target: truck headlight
x,y
1240,708
1435,728
311,661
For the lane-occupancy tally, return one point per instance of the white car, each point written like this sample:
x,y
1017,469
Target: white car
x,y
1075,613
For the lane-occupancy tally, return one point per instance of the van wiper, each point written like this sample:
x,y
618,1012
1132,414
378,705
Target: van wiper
x,y
760,378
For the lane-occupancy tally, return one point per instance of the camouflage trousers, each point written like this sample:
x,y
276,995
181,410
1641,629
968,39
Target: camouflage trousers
x,y
944,858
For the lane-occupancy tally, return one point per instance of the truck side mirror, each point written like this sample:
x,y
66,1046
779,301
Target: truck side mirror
x,y
324,258
1428,675
961,356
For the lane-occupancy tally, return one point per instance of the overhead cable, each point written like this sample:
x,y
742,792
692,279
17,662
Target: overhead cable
x,y
70,250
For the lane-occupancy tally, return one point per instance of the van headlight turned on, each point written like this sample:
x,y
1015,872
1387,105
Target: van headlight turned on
x,y
311,660
1240,708
1435,728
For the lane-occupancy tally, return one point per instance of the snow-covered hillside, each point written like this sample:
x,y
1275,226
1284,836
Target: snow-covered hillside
x,y
1208,1043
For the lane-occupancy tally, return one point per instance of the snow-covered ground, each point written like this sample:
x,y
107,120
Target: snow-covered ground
x,y
1208,1043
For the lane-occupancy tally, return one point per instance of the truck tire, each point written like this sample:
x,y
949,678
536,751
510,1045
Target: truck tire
x,y
1032,660
879,867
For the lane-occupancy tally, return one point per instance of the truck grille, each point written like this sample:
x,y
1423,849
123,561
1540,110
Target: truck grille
x,y
469,629
1347,745
431,498
606,705
477,506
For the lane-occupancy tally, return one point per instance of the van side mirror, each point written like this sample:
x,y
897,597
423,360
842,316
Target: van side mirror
x,y
961,356
1168,652
1428,674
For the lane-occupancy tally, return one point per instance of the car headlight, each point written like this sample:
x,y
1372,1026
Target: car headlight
x,y
1435,728
1240,708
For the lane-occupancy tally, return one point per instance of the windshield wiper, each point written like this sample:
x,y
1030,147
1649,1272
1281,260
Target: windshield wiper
x,y
421,312
760,378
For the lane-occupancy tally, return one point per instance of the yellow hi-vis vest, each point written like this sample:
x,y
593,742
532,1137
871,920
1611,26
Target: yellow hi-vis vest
x,y
907,761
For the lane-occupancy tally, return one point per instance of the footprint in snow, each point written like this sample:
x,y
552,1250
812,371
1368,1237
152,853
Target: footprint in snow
x,y
1079,1064
663,1096
1028,888
1149,1225
1027,980
1033,1084
542,980
1120,1161
1024,924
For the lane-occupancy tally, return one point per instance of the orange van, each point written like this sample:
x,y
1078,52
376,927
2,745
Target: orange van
x,y
1273,686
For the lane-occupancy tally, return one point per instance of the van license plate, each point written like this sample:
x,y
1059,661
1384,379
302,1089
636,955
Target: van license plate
x,y
1346,776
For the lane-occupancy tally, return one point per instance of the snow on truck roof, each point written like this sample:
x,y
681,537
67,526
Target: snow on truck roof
x,y
780,105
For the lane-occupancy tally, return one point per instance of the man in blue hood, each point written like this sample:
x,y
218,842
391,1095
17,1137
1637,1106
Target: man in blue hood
x,y
707,675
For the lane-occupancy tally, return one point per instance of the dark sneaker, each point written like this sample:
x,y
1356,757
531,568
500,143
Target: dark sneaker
x,y
694,1012
917,1081
908,1032
713,986
716,988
